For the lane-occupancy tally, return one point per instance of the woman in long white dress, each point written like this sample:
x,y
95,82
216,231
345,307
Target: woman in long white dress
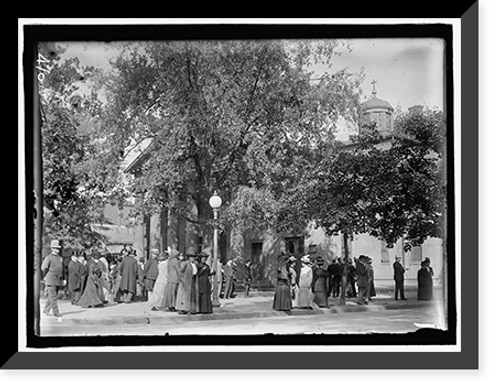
x,y
158,298
183,303
304,296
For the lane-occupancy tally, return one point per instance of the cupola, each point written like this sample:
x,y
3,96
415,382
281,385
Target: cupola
x,y
379,111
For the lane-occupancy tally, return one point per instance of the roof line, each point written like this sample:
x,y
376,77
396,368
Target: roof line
x,y
136,163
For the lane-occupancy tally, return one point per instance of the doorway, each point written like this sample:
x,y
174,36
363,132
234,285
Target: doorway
x,y
257,261
295,246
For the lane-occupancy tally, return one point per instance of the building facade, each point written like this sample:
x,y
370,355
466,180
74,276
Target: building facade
x,y
262,248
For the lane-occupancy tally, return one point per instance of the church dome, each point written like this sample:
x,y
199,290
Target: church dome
x,y
376,103
377,111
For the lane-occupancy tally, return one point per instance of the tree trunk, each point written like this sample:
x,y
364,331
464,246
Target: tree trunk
x,y
203,230
343,286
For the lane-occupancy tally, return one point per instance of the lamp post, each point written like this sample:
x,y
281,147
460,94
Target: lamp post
x,y
216,202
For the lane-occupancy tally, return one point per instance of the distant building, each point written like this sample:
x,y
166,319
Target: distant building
x,y
263,248
118,228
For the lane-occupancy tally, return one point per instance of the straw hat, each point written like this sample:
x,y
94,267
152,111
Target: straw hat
x,y
55,244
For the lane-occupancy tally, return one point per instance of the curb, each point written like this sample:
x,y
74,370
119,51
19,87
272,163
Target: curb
x,y
177,319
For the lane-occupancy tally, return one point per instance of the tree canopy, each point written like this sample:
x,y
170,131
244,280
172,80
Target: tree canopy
x,y
244,117
390,192
247,118
78,175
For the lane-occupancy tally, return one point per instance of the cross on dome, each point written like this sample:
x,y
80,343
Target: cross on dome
x,y
374,91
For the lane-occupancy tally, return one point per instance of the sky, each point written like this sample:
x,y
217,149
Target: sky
x,y
407,71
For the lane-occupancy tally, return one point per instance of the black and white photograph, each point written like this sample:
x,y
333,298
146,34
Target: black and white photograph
x,y
253,185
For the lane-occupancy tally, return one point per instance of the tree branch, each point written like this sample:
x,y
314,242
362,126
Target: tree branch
x,y
233,155
252,93
189,71
152,105
137,144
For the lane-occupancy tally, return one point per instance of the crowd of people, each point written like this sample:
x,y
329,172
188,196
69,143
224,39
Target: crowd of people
x,y
312,283
172,282
184,282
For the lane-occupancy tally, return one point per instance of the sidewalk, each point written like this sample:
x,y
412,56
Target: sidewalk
x,y
258,305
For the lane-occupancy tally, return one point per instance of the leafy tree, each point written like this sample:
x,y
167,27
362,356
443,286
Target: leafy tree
x,y
391,193
246,118
76,169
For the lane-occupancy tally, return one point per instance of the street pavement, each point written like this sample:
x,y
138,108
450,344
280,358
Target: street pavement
x,y
357,322
258,307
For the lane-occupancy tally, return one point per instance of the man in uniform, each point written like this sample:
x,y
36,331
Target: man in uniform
x,y
53,272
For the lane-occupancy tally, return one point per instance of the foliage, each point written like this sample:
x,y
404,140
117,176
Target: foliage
x,y
249,119
390,192
243,117
77,171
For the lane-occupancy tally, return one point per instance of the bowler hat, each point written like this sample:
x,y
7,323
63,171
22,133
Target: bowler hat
x,y
55,244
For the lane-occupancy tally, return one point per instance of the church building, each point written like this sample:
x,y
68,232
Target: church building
x,y
263,248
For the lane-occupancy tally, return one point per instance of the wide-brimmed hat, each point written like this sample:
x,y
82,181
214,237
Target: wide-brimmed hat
x,y
174,253
55,244
203,254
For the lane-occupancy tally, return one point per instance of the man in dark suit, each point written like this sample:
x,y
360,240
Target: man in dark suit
x,y
129,271
151,270
230,273
399,277
76,278
53,271
334,277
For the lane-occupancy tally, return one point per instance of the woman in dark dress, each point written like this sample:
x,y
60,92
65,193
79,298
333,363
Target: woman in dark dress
x,y
424,278
93,295
282,297
203,274
319,286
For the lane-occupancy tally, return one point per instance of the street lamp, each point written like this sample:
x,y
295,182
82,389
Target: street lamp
x,y
216,202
